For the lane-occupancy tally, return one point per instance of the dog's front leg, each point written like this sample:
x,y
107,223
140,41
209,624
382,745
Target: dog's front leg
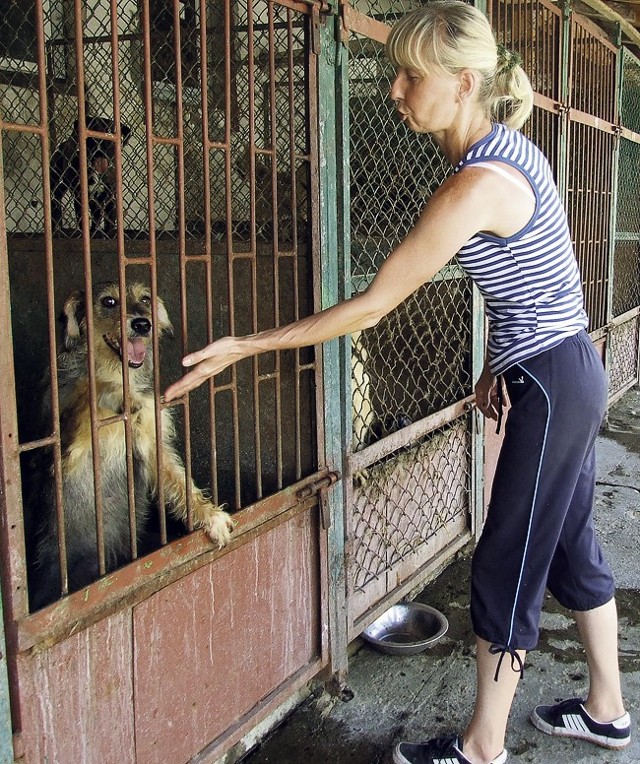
x,y
205,514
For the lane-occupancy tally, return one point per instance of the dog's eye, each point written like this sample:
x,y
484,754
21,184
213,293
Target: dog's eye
x,y
145,299
109,302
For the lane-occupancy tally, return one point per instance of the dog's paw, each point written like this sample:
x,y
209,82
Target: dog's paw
x,y
218,525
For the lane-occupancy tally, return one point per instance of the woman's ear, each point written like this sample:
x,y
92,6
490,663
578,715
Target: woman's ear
x,y
468,84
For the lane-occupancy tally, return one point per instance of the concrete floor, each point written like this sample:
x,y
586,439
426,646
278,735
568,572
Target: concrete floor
x,y
415,698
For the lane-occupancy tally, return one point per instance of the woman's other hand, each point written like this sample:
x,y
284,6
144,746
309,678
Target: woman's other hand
x,y
208,362
486,391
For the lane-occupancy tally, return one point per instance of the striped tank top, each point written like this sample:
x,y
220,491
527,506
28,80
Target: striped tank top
x,y
530,281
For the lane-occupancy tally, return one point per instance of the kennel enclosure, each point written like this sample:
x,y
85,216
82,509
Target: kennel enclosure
x,y
255,173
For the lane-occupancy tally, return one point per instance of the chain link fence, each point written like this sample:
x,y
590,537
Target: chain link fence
x,y
624,337
416,361
178,111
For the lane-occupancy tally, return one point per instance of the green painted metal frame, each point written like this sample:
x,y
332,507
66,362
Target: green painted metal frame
x,y
332,76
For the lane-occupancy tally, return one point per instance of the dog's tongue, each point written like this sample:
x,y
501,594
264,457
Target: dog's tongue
x,y
136,351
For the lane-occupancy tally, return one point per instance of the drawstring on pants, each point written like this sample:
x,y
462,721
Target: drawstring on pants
x,y
517,664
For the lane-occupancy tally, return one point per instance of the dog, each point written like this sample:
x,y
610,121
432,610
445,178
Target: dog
x,y
112,349
65,177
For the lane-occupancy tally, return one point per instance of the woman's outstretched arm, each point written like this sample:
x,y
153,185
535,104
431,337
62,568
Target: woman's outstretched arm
x,y
452,216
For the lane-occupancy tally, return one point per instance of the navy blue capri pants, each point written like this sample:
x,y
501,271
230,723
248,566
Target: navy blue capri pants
x,y
539,529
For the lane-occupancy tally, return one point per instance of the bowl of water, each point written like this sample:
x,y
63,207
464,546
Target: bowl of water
x,y
407,628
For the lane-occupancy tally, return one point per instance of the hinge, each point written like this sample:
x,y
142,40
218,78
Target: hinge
x,y
318,13
343,33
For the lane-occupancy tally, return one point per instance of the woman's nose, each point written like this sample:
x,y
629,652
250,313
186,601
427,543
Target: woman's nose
x,y
395,92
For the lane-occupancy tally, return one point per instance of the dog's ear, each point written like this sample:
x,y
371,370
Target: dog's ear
x,y
72,314
166,327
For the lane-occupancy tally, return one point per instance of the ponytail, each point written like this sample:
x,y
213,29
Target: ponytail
x,y
511,100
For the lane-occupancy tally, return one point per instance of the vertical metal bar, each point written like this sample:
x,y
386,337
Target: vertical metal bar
x,y
230,246
273,116
51,311
182,245
293,160
88,282
613,210
149,136
478,329
122,284
206,180
564,96
254,245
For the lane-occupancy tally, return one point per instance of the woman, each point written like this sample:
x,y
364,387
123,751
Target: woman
x,y
500,213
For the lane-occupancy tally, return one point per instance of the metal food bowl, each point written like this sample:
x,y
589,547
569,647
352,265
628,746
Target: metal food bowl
x,y
406,629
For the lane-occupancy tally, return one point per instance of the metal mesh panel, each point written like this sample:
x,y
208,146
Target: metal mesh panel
x,y
626,262
414,363
534,30
416,360
630,96
593,72
382,10
623,356
589,204
418,495
175,73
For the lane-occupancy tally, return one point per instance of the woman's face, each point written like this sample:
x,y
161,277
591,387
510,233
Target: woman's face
x,y
426,103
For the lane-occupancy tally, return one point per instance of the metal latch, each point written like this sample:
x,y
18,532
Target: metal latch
x,y
328,479
318,487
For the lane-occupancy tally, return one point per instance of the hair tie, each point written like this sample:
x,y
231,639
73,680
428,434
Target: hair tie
x,y
508,59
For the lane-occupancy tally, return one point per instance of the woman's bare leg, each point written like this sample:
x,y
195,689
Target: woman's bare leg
x,y
599,634
485,735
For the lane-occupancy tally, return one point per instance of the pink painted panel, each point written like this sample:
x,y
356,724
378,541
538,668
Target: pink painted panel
x,y
209,647
77,697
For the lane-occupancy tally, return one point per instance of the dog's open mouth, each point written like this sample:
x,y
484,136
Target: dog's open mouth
x,y
136,349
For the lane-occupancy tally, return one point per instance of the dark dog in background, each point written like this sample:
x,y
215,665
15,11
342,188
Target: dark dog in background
x,y
112,349
65,177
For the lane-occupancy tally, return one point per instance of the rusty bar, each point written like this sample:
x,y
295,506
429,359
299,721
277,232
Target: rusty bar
x,y
273,115
361,24
148,111
51,313
253,241
16,127
293,163
182,246
159,140
230,248
206,201
122,285
86,247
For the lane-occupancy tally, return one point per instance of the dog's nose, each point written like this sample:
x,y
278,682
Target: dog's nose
x,y
141,326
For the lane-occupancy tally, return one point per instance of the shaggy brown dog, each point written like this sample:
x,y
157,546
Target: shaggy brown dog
x,y
110,351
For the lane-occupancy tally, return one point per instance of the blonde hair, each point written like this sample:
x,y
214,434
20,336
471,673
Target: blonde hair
x,y
455,36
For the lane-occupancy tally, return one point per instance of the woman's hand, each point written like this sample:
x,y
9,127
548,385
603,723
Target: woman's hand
x,y
486,391
209,361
